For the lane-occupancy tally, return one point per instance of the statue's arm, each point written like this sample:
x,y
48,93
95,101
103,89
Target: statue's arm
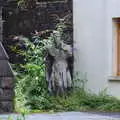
x,y
52,51
67,49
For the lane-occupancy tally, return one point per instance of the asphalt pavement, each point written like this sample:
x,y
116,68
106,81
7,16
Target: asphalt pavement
x,y
68,116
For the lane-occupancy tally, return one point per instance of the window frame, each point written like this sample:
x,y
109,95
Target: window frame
x,y
116,21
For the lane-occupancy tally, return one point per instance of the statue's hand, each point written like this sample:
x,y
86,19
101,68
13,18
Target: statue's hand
x,y
66,48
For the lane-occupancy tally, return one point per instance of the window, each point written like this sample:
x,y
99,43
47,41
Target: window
x,y
117,46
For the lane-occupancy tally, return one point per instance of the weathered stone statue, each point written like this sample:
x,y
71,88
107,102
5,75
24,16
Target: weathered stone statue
x,y
60,78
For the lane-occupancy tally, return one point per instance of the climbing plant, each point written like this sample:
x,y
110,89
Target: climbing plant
x,y
29,4
31,81
31,87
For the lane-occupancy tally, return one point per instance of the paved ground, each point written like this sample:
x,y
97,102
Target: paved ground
x,y
70,116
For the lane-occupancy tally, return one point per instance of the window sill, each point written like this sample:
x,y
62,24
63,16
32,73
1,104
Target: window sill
x,y
114,78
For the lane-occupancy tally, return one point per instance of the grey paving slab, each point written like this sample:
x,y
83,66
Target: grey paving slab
x,y
69,116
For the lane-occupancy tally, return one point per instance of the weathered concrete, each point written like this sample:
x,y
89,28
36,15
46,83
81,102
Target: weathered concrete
x,y
69,116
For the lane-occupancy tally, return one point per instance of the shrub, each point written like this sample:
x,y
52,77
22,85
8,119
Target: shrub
x,y
32,92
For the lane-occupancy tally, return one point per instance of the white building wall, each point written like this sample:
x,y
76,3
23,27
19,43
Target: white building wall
x,y
112,11
93,40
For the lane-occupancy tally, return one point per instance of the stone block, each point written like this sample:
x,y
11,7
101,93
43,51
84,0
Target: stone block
x,y
6,94
6,107
5,69
1,37
3,54
7,82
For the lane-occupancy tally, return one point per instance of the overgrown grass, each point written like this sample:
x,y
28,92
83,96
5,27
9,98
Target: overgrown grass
x,y
32,91
79,100
18,117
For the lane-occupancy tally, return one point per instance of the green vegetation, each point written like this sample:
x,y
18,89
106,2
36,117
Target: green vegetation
x,y
31,86
19,117
32,94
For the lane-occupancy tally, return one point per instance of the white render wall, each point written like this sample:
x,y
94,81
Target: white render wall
x,y
94,43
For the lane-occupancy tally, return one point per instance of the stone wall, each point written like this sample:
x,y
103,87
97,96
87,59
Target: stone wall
x,y
19,21
6,75
6,94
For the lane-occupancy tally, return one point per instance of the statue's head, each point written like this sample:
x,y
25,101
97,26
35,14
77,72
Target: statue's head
x,y
57,38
